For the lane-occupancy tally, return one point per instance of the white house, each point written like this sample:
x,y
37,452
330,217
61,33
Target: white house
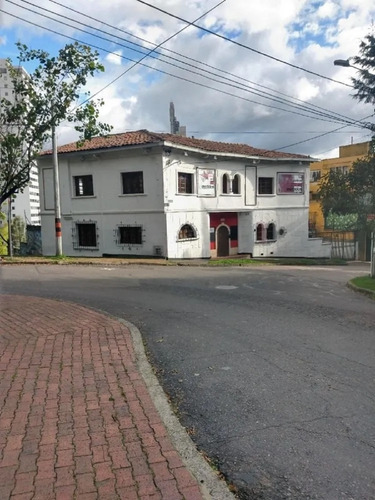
x,y
141,193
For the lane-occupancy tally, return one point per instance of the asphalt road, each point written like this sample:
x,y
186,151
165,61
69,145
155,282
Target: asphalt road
x,y
271,369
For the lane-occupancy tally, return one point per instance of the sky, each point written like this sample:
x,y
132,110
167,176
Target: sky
x,y
252,72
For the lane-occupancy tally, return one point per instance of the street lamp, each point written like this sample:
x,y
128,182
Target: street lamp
x,y
345,63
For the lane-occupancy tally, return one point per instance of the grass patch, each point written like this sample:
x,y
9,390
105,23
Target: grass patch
x,y
365,282
236,262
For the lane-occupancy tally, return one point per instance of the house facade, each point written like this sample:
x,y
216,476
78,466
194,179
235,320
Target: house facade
x,y
141,193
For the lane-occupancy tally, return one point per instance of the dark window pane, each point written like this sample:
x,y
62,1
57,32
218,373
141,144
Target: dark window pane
x,y
259,232
265,185
234,233
132,182
236,184
86,235
225,184
186,232
185,182
130,235
83,185
271,232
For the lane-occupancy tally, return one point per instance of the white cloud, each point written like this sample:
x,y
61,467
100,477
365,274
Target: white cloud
x,y
298,31
115,58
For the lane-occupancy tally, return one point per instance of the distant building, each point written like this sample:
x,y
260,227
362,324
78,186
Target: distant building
x,y
175,128
141,193
26,204
318,225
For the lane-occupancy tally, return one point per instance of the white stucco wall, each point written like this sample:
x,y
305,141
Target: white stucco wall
x,y
161,210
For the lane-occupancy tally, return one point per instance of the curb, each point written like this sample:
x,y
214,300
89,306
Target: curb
x,y
364,291
212,487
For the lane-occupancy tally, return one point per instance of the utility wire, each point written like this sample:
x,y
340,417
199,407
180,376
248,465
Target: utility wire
x,y
264,95
320,135
176,76
308,107
241,44
173,51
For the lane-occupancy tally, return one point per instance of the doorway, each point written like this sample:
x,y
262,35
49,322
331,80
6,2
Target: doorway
x,y
222,241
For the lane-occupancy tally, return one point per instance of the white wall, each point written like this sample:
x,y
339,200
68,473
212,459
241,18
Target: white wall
x,y
195,248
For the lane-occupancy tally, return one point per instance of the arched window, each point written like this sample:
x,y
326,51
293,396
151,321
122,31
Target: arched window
x,y
236,184
260,232
271,231
186,232
225,183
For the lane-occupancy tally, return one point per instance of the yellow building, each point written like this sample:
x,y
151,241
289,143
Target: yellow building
x,y
347,156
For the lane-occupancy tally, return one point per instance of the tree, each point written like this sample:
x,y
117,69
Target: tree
x,y
41,102
352,193
18,232
364,85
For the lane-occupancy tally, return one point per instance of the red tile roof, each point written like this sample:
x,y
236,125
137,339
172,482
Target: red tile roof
x,y
144,137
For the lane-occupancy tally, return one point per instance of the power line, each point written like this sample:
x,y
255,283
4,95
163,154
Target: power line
x,y
242,45
332,116
318,136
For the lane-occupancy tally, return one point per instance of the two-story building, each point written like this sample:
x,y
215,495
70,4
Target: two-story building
x,y
141,193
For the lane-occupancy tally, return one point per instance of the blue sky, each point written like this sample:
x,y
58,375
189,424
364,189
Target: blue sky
x,y
307,34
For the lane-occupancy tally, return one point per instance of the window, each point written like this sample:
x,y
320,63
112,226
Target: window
x,y
83,185
290,183
236,184
130,235
225,185
86,234
132,182
185,183
342,170
187,232
260,232
315,175
271,231
265,185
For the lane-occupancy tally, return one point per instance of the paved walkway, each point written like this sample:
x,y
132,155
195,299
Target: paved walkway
x,y
76,419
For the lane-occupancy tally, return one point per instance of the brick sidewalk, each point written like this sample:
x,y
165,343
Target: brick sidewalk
x,y
76,419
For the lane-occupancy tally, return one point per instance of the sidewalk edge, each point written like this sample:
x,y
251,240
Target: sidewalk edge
x,y
212,487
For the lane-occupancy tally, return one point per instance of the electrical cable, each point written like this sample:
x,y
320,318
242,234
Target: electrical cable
x,y
282,101
206,30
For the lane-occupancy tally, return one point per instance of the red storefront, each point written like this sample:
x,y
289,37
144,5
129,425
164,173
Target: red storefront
x,y
223,233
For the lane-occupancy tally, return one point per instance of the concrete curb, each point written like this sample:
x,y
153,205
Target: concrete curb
x,y
364,291
212,487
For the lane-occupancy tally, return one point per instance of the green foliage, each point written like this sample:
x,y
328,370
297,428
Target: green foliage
x,y
364,85
351,195
18,232
41,102
3,235
341,222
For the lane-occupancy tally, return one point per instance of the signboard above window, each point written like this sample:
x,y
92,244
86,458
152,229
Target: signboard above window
x,y
206,182
290,183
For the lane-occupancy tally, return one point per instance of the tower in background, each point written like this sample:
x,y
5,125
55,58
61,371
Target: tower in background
x,y
25,204
175,124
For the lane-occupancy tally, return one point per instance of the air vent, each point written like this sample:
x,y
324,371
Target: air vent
x,y
158,251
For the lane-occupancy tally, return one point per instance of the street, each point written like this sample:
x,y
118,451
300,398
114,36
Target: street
x,y
270,369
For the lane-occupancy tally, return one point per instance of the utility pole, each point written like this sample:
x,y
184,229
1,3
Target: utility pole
x,y
10,242
56,183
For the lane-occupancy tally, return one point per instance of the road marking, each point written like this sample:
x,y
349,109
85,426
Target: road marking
x,y
226,287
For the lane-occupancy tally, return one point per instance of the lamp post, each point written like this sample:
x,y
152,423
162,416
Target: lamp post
x,y
345,63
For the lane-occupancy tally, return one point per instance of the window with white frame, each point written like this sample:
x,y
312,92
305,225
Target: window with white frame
x,y
225,184
132,182
185,183
236,186
271,231
83,185
265,185
187,232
